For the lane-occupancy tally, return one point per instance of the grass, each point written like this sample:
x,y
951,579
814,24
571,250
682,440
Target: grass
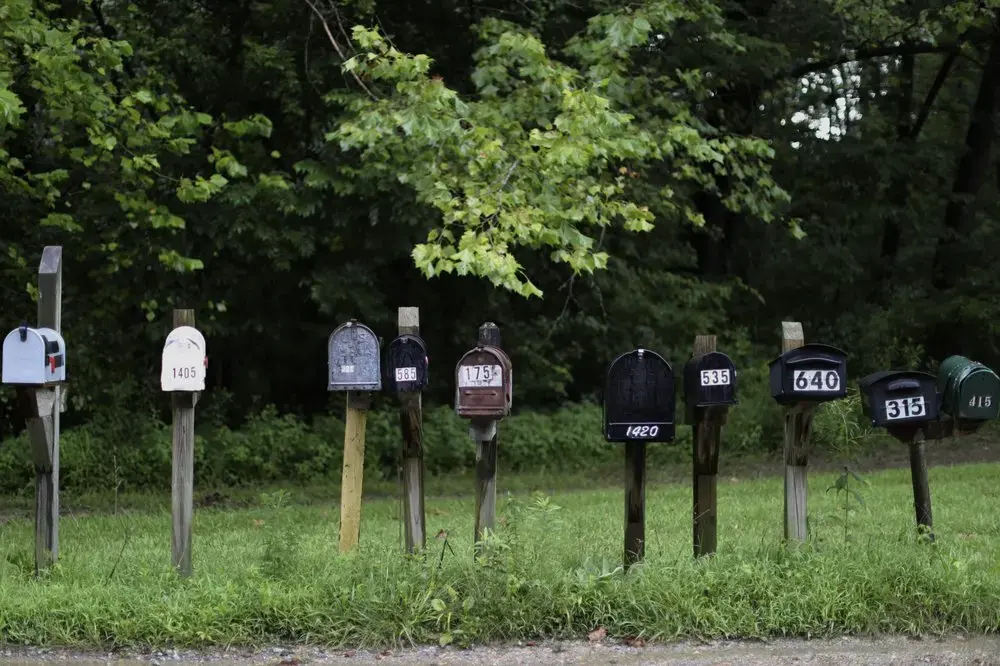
x,y
270,572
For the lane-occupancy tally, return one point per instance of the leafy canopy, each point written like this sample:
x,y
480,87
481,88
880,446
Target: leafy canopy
x,y
544,152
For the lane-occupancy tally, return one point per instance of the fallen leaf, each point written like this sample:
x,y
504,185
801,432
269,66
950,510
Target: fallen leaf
x,y
350,653
531,643
637,642
597,635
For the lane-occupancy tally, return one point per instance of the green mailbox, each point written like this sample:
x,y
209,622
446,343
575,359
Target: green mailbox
x,y
970,391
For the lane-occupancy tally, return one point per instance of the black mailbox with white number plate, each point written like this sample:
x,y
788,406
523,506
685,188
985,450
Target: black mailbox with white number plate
x,y
639,398
898,397
709,380
405,367
812,373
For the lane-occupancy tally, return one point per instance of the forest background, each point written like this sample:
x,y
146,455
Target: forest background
x,y
592,176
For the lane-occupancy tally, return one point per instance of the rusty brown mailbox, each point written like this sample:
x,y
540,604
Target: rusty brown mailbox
x,y
483,383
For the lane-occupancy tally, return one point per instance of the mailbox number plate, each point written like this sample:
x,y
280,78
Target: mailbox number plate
x,y
474,376
816,380
406,374
642,431
715,377
981,401
904,408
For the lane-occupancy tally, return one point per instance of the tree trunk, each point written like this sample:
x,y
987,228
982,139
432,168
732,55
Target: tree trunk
x,y
899,188
949,260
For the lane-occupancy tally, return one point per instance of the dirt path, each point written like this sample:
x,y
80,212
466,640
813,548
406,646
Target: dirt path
x,y
951,651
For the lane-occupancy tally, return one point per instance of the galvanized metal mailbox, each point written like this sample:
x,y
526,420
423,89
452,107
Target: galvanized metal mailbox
x,y
639,398
812,373
484,383
405,364
899,397
710,379
354,359
33,357
970,391
184,360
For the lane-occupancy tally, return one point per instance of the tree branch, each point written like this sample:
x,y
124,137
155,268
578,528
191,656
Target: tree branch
x,y
932,94
110,33
867,54
337,48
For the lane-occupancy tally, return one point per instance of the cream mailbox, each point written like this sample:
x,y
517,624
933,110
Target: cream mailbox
x,y
483,383
353,358
33,357
184,360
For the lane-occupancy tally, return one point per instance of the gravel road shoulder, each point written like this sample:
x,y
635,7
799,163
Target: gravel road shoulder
x,y
953,651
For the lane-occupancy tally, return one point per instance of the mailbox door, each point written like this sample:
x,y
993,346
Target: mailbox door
x,y
903,397
979,395
405,364
481,383
710,379
24,360
639,401
813,372
184,362
354,359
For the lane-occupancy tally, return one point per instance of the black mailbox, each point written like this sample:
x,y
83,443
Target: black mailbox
x,y
896,397
639,398
710,379
405,367
811,373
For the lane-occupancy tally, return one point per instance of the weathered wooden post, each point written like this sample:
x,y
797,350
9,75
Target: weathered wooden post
x,y
921,488
802,377
182,373
354,367
406,375
638,408
34,360
906,403
484,394
709,390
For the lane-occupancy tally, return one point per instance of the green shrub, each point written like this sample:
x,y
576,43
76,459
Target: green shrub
x,y
135,453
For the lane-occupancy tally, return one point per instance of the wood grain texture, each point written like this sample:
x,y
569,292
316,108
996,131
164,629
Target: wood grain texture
x,y
635,502
707,436
487,451
486,489
182,478
798,424
411,427
921,489
795,503
44,428
353,477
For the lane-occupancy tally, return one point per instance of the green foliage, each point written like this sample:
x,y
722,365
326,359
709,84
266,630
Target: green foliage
x,y
554,572
281,169
117,451
843,486
538,156
841,427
